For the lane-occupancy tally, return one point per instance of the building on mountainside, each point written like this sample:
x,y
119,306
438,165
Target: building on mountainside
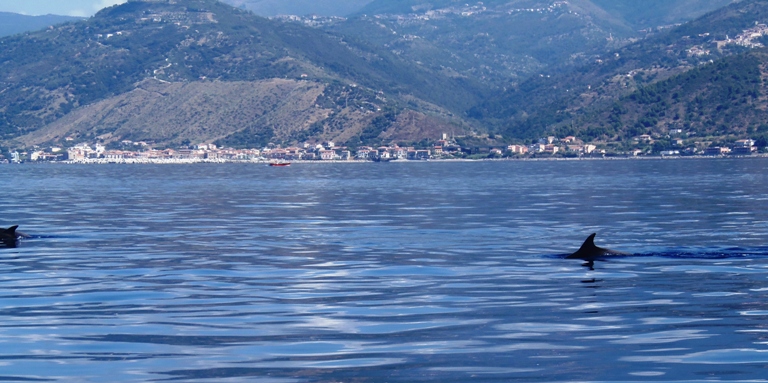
x,y
364,153
744,147
747,143
517,149
645,138
716,151
551,149
418,155
537,148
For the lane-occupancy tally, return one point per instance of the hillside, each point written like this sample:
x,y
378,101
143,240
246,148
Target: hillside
x,y
13,23
571,101
502,42
727,97
636,14
89,79
496,42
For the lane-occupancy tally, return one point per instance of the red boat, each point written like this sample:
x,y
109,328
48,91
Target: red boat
x,y
279,164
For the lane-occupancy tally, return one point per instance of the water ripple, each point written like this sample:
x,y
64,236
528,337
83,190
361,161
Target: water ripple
x,y
426,272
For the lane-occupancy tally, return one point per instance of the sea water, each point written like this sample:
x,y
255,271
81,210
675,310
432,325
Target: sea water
x,y
393,272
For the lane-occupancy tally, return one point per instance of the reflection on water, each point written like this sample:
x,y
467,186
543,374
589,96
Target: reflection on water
x,y
446,272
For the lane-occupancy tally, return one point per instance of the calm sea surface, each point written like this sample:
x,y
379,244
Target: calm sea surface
x,y
415,272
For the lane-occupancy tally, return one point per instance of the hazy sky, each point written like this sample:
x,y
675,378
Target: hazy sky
x,y
86,8
56,7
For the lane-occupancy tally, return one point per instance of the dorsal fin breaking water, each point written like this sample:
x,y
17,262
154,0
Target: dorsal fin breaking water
x,y
590,252
9,236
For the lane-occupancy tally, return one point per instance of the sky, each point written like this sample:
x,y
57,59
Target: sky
x,y
86,8
81,8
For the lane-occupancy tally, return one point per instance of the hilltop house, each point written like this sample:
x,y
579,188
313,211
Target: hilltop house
x,y
327,155
744,147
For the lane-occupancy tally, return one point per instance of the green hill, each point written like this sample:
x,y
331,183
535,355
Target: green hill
x,y
727,97
571,101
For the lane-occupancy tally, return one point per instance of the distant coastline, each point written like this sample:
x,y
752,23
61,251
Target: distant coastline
x,y
189,161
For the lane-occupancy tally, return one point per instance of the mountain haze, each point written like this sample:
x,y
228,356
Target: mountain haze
x,y
653,13
12,23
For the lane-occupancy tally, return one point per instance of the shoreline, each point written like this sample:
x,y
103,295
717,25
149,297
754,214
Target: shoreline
x,y
102,161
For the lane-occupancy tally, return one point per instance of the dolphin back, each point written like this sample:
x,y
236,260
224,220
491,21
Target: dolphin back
x,y
11,231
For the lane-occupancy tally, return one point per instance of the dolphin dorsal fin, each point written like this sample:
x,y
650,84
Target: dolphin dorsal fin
x,y
11,230
589,243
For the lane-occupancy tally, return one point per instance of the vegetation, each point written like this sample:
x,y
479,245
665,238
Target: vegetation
x,y
252,137
596,101
719,98
380,124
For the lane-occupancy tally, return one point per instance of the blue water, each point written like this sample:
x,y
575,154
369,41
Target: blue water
x,y
416,272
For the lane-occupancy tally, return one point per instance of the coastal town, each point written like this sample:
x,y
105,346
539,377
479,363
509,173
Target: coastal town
x,y
446,148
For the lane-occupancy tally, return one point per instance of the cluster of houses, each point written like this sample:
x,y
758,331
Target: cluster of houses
x,y
749,38
314,21
739,148
444,148
84,152
142,152
551,8
467,10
